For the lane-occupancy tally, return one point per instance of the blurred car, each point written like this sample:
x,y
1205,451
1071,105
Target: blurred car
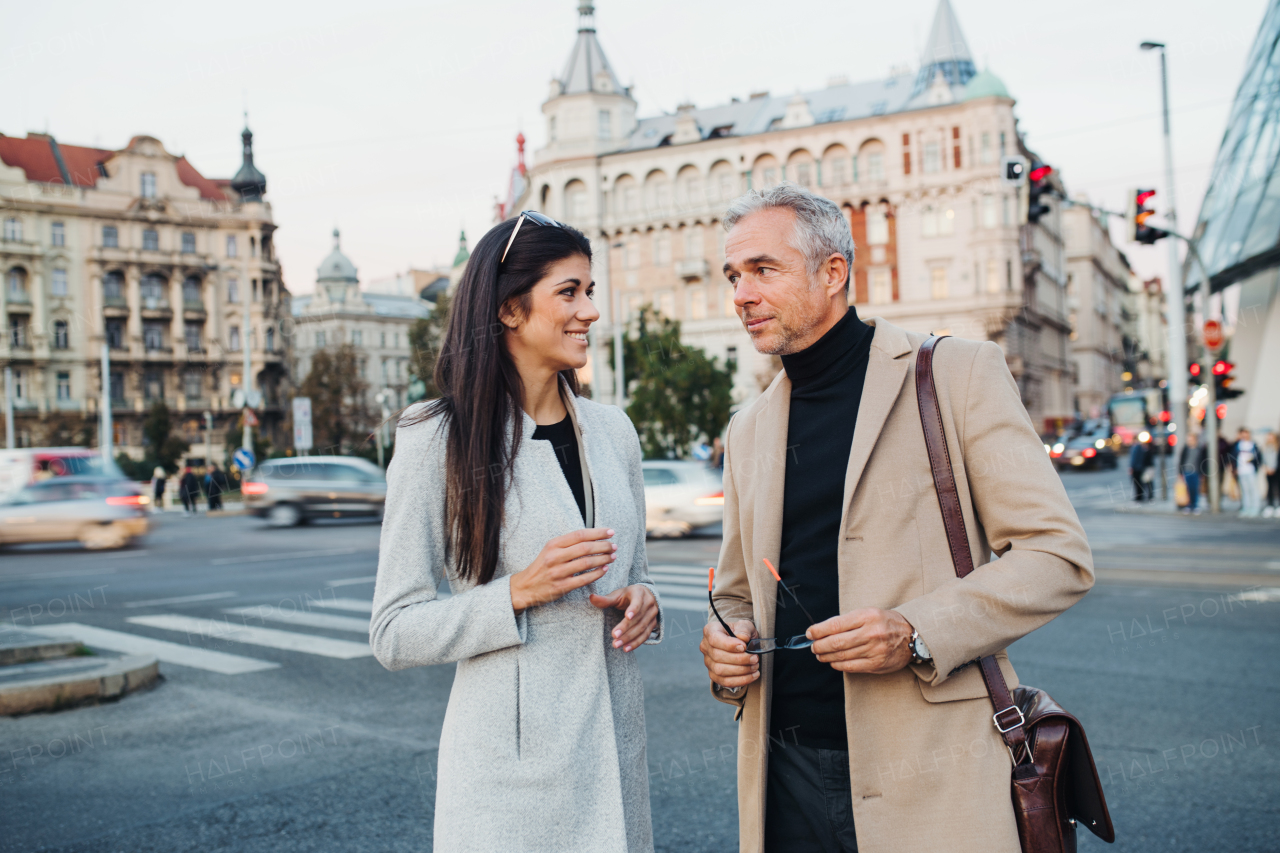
x,y
287,492
1084,451
681,496
99,512
28,465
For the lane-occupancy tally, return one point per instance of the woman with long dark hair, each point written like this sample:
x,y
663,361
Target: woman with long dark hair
x,y
529,500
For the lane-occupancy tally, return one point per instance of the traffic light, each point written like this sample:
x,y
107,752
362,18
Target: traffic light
x,y
1014,170
1139,213
1193,369
1223,380
1037,188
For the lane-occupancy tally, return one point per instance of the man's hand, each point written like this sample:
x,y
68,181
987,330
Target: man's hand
x,y
868,640
725,655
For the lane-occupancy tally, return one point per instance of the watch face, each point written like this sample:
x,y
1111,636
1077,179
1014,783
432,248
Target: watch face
x,y
920,649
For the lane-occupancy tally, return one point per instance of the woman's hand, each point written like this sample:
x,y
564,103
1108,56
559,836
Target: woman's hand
x,y
641,618
566,563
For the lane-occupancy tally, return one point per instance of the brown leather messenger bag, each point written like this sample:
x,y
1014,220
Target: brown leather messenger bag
x,y
1055,782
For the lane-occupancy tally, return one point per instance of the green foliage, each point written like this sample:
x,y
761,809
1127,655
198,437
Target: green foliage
x,y
340,418
426,336
163,448
678,395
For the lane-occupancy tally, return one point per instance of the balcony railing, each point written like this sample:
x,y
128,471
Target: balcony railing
x,y
155,303
693,268
19,297
193,305
115,302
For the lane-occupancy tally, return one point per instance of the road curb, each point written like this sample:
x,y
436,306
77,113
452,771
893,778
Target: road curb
x,y
111,679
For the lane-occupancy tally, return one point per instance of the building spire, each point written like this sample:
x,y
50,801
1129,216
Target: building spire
x,y
249,182
946,52
587,69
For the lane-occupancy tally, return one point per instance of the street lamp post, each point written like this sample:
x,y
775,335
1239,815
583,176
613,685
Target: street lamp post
x,y
1175,296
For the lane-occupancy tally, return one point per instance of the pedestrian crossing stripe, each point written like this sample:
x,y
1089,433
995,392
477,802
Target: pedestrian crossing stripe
x,y
355,605
174,653
332,621
253,635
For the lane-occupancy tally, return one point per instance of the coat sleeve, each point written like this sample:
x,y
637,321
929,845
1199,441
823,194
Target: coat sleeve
x,y
411,625
1044,564
638,573
732,590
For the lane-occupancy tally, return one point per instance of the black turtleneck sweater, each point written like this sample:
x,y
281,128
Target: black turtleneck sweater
x,y
826,390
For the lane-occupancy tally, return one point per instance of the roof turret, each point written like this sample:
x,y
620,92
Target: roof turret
x,y
945,52
462,256
587,69
249,182
985,84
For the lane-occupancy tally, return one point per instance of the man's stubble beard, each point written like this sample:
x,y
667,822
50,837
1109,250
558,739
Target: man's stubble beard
x,y
790,337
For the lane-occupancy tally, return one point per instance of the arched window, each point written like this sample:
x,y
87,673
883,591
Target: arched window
x,y
836,171
626,196
764,172
271,339
191,297
688,188
153,291
17,288
575,201
113,288
657,193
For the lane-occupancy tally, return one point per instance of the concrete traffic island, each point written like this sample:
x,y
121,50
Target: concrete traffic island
x,y
40,673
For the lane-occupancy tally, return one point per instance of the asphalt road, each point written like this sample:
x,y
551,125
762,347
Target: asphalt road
x,y
293,738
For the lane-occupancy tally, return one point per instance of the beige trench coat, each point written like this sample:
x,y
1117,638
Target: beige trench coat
x,y
929,771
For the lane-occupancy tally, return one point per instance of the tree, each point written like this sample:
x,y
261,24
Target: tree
x,y
426,336
678,394
340,417
163,448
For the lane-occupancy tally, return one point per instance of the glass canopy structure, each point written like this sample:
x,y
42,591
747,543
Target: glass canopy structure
x,y
1238,231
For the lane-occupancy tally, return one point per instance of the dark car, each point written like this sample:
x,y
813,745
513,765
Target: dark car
x,y
291,491
1085,451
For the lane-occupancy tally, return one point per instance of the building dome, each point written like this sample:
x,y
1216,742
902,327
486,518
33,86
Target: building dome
x,y
983,85
336,267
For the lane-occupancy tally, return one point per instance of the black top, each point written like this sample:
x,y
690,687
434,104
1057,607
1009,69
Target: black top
x,y
826,390
565,443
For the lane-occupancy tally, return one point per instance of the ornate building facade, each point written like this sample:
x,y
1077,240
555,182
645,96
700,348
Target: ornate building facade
x,y
375,322
913,159
134,248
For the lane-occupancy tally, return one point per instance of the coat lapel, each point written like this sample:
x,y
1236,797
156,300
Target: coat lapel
x,y
771,468
886,371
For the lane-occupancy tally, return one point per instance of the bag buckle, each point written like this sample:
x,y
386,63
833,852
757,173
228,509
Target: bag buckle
x,y
995,718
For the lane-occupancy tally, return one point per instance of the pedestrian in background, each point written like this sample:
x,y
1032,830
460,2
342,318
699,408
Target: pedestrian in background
x,y
1270,458
189,491
1139,464
216,485
543,746
1245,459
1192,460
158,481
830,735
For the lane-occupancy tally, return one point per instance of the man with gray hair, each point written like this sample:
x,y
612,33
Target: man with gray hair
x,y
858,707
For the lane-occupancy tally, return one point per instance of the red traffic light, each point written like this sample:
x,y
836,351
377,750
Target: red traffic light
x,y
1222,368
1143,196
1040,173
1221,411
1165,417
1194,368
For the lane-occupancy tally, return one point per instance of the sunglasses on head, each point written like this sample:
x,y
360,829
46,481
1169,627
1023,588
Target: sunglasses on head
x,y
764,645
534,217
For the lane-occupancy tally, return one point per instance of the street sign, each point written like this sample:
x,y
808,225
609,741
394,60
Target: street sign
x,y
301,423
243,458
250,418
1213,335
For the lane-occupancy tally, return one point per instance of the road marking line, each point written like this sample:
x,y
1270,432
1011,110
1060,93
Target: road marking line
x,y
351,581
70,573
175,653
269,637
182,599
267,558
331,621
355,605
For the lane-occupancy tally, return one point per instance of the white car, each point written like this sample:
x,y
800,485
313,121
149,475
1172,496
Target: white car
x,y
681,496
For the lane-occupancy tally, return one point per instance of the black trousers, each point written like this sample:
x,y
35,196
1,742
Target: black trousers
x,y
809,801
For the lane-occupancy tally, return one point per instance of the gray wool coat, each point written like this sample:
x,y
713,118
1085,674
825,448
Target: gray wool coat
x,y
543,745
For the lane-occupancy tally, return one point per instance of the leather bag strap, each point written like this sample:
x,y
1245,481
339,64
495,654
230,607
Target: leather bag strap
x,y
1008,718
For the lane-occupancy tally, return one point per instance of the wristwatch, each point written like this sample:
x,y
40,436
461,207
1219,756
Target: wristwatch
x,y
919,651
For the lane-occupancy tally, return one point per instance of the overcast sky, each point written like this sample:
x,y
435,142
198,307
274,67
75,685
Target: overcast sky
x,y
396,121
